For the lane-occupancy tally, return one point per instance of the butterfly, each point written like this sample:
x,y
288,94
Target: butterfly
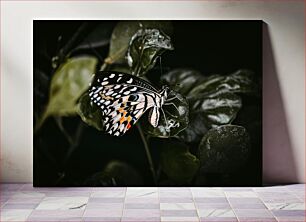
x,y
124,98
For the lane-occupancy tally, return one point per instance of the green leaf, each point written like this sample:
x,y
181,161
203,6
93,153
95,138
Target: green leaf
x,y
241,81
210,110
123,33
195,130
178,163
68,83
216,109
98,36
182,80
145,47
89,112
116,173
124,68
224,149
175,119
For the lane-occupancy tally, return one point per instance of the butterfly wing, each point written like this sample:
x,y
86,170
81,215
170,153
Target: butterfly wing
x,y
123,99
123,116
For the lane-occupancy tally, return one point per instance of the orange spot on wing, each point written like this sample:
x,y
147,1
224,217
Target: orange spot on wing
x,y
128,126
122,119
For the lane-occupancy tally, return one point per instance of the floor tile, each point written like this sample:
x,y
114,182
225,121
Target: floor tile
x,y
14,214
142,200
216,213
67,193
177,206
106,200
29,200
236,205
55,219
101,219
62,203
140,219
20,206
296,187
135,192
289,213
91,205
238,189
106,193
179,219
175,194
224,205
253,219
285,206
10,186
291,219
22,202
103,212
57,213
24,194
210,200
240,194
141,213
205,192
179,213
176,200
175,189
245,200
218,219
255,213
141,206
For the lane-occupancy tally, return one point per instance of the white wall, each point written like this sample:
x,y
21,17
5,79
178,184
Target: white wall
x,y
284,54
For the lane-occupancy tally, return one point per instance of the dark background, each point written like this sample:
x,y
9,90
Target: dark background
x,y
212,47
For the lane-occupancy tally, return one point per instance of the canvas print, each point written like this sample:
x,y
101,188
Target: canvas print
x,y
147,103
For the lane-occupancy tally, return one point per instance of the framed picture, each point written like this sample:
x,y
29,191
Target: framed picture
x,y
147,103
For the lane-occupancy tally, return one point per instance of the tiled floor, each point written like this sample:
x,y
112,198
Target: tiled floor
x,y
22,202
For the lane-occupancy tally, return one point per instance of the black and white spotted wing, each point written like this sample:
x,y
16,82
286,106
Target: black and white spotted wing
x,y
123,99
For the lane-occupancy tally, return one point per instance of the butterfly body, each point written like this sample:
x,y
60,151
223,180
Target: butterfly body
x,y
124,98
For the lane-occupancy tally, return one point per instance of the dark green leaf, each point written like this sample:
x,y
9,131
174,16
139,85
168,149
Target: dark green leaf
x,y
224,149
124,68
98,37
242,81
90,112
145,47
68,83
208,111
123,33
216,109
116,173
178,163
175,119
182,80
195,130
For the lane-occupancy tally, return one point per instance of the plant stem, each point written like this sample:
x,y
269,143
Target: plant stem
x,y
76,38
146,146
76,141
60,125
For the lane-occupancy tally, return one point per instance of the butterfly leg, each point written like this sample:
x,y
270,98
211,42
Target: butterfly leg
x,y
173,98
165,118
168,104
